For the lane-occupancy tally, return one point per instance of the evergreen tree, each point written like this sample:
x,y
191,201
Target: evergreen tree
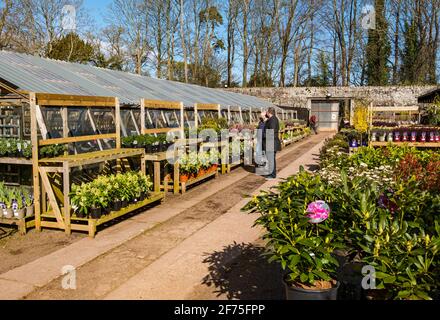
x,y
324,70
71,48
409,73
378,49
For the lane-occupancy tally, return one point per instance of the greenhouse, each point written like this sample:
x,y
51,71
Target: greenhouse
x,y
66,122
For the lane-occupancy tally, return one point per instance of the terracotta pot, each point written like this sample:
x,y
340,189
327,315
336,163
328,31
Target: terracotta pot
x,y
184,177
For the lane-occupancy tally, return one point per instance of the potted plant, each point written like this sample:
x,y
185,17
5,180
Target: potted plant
x,y
29,202
300,236
382,136
189,166
20,212
9,200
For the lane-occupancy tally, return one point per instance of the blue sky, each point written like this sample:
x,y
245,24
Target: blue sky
x,y
96,9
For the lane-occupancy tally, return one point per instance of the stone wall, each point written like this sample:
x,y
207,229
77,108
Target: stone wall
x,y
380,96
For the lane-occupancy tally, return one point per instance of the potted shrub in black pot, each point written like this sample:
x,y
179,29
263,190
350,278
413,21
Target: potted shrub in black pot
x,y
300,236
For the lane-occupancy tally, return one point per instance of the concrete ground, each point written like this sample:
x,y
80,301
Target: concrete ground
x,y
196,246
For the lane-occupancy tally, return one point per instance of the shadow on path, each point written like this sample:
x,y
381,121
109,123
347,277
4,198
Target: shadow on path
x,y
241,271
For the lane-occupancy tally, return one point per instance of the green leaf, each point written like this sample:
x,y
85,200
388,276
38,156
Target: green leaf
x,y
381,275
389,280
404,294
294,259
423,295
322,275
304,278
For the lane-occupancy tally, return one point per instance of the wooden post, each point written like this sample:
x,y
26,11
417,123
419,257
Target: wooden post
x,y
142,116
156,173
35,172
182,121
176,177
66,201
196,117
118,123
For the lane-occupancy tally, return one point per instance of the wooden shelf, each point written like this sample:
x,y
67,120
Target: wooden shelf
x,y
94,157
18,161
22,224
406,144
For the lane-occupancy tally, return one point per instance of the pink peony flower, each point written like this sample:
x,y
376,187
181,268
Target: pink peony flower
x,y
318,211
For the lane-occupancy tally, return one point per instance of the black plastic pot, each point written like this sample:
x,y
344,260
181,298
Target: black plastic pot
x,y
295,293
80,214
106,211
124,204
142,197
117,205
149,149
96,213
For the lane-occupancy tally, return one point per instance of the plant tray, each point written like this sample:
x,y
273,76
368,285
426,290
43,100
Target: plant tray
x,y
88,224
184,185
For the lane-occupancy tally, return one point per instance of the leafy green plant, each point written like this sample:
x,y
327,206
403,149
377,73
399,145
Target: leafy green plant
x,y
53,151
102,191
304,249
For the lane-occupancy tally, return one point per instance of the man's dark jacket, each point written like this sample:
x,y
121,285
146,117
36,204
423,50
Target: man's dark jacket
x,y
273,124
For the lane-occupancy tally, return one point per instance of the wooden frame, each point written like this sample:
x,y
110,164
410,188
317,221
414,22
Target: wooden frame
x,y
158,158
52,205
205,107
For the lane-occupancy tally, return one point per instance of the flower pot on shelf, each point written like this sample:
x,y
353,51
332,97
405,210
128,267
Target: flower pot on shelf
x,y
390,137
106,211
117,205
9,213
149,149
30,211
298,293
405,137
413,136
95,213
124,203
21,213
397,136
80,215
